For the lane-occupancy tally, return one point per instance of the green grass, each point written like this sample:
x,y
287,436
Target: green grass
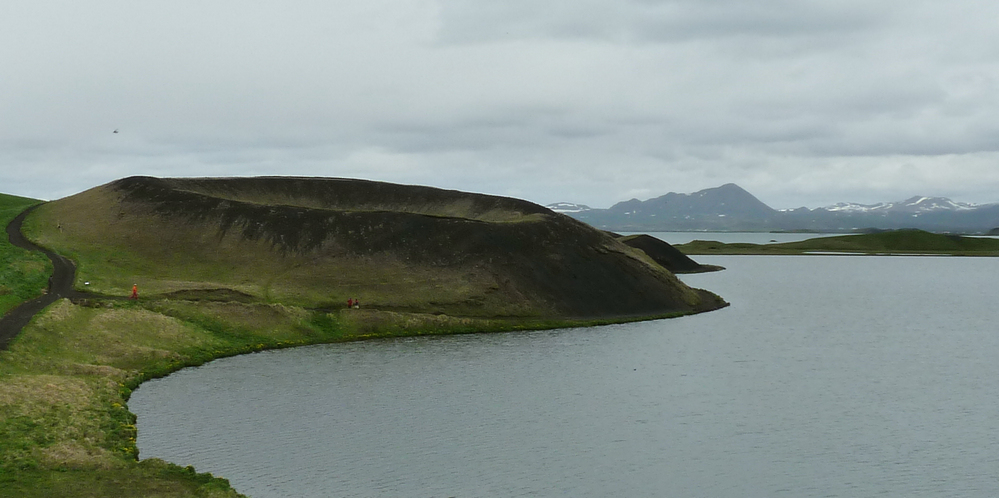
x,y
900,242
23,274
64,426
149,478
64,385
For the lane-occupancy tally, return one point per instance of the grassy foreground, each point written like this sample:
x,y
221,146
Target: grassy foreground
x,y
897,242
65,428
23,274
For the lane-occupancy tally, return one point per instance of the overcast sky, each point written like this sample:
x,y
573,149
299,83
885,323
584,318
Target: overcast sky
x,y
803,103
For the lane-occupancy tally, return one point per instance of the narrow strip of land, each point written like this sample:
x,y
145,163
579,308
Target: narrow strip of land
x,y
893,243
60,284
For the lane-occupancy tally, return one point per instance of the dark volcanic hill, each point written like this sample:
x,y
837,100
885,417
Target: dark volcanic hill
x,y
316,242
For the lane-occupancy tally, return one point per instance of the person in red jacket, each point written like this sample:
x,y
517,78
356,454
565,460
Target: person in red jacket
x,y
135,291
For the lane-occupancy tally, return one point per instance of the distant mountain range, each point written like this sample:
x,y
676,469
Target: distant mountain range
x,y
731,208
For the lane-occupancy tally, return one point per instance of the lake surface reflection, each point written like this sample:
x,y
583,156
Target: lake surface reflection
x,y
828,376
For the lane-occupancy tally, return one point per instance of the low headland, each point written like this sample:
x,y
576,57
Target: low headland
x,y
234,266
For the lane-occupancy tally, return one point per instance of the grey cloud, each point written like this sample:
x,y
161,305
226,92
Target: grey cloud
x,y
654,20
592,101
499,128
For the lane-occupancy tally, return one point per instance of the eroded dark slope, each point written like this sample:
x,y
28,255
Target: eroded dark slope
x,y
319,241
666,255
344,194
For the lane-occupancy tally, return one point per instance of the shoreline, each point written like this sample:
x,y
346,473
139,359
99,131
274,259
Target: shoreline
x,y
112,385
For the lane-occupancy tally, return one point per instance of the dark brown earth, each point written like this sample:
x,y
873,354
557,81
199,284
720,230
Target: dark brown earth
x,y
666,255
60,285
222,295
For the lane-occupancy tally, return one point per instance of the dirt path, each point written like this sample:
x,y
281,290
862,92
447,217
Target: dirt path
x,y
61,285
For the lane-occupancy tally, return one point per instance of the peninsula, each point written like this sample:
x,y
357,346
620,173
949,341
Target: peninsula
x,y
237,265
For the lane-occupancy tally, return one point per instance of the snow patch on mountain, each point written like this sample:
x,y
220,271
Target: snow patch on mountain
x,y
568,207
916,205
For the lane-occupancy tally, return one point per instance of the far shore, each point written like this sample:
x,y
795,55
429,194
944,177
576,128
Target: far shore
x,y
892,243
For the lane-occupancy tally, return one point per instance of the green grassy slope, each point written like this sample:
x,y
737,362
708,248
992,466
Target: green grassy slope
x,y
23,274
66,380
64,430
893,242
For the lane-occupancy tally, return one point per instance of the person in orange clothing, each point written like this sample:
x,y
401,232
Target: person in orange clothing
x,y
135,291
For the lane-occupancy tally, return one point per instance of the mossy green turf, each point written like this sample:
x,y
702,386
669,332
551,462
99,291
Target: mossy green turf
x,y
23,273
899,242
64,427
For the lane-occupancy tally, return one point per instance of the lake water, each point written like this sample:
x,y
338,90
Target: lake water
x,y
828,376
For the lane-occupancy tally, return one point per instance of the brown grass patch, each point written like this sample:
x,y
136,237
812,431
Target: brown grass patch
x,y
106,371
119,324
77,456
60,311
36,393
125,338
365,321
